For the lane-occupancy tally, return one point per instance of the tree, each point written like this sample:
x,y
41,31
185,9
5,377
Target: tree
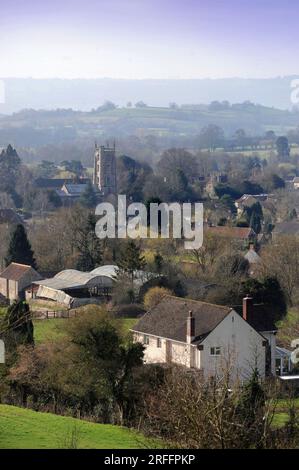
x,y
211,137
92,371
158,261
88,245
282,148
46,169
240,136
73,166
131,260
251,408
17,326
140,104
281,260
19,250
107,106
88,197
254,215
131,177
177,159
10,165
155,295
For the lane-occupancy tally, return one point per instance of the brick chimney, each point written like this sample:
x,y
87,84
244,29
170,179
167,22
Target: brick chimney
x,y
248,308
190,328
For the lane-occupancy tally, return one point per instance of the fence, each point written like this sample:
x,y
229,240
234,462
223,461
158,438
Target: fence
x,y
47,314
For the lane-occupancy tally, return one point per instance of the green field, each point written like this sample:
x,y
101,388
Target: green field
x,y
52,329
48,330
26,429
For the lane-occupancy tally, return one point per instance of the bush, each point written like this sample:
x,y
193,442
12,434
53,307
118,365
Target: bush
x,y
155,295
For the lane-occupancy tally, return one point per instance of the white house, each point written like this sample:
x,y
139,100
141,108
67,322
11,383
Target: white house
x,y
207,337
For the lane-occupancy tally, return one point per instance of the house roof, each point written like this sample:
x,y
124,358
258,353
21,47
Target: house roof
x,y
15,271
241,233
290,227
9,216
56,183
103,275
252,256
74,189
168,319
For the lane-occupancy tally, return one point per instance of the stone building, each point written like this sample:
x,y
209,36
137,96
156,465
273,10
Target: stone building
x,y
104,176
14,280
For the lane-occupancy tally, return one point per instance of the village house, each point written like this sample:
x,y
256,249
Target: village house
x,y
239,236
9,217
70,193
289,227
207,337
247,200
15,279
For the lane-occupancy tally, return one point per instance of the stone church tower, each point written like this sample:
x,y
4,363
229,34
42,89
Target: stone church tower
x,y
104,175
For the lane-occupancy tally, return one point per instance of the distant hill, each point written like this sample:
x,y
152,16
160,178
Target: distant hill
x,y
172,127
84,94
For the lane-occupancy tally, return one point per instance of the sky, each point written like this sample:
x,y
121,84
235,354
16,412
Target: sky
x,y
140,39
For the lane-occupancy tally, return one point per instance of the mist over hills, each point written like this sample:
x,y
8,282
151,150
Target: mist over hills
x,y
86,94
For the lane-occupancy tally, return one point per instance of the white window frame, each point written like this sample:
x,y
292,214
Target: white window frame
x,y
159,343
146,340
215,351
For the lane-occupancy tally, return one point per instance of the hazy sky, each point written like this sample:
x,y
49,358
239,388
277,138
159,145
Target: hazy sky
x,y
148,38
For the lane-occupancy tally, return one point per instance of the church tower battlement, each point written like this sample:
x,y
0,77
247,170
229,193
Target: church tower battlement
x,y
104,174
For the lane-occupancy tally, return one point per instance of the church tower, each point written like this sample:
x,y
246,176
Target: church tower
x,y
104,174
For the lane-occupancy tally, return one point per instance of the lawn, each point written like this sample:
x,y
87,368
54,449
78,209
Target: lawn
x,y
49,330
26,429
53,328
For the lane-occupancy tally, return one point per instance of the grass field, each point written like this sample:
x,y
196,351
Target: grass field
x,y
26,429
48,330
52,329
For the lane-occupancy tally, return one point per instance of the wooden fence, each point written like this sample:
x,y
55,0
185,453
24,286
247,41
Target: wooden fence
x,y
47,314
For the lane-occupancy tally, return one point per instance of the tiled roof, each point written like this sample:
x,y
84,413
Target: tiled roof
x,y
232,232
168,319
15,271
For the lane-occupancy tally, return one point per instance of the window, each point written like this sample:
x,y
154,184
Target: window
x,y
215,351
159,343
146,339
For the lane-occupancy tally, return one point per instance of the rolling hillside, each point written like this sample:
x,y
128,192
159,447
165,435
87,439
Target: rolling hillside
x,y
26,429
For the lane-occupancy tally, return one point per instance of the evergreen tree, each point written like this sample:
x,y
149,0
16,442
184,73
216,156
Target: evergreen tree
x,y
17,326
158,262
89,246
283,149
88,198
131,260
19,250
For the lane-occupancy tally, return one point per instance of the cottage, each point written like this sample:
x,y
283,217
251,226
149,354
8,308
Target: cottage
x,y
237,234
247,200
14,280
206,337
9,217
